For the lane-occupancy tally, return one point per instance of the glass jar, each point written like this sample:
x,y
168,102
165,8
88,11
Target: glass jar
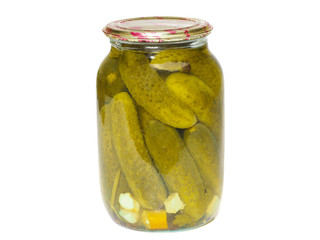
x,y
160,124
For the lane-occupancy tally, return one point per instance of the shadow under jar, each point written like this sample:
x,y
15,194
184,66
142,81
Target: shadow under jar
x,y
160,124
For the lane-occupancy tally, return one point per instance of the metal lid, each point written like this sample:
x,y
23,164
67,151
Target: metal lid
x,y
157,29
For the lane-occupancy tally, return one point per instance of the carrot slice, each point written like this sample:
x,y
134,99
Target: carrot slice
x,y
155,219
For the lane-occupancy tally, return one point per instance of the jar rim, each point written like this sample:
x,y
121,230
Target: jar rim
x,y
157,29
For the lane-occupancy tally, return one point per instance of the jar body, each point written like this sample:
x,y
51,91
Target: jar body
x,y
160,128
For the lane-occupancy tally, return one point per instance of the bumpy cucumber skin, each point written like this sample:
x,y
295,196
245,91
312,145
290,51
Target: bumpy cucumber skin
x,y
194,93
206,67
202,64
109,81
190,90
178,170
144,181
205,151
151,92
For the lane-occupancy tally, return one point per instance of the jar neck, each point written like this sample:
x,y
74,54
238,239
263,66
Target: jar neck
x,y
154,47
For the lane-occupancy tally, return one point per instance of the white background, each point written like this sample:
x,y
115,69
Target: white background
x,y
49,55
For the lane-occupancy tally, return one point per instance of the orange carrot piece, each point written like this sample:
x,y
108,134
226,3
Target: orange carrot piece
x,y
155,219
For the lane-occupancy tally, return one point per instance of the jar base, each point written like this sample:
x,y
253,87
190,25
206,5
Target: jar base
x,y
200,223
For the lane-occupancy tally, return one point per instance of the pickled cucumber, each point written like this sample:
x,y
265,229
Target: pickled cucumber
x,y
195,94
109,81
143,179
178,170
204,66
151,92
112,182
204,150
108,158
144,118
